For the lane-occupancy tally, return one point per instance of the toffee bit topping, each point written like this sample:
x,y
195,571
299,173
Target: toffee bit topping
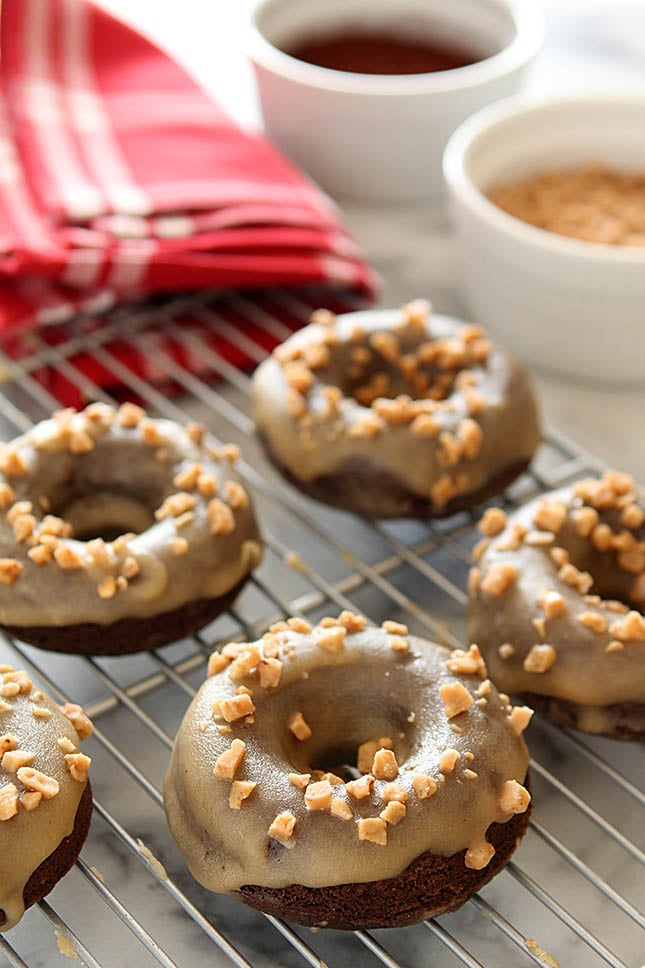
x,y
269,671
179,546
207,485
236,495
229,761
81,723
559,556
506,650
367,425
470,663
471,437
186,479
14,759
39,782
484,688
394,791
13,464
41,712
581,580
29,801
632,516
456,699
425,425
424,786
397,644
351,621
78,764
540,658
237,707
332,639
5,707
322,317
19,678
341,809
631,628
299,727
584,520
7,742
550,515
513,540
614,646
299,780
366,752
539,624
493,522
373,829
448,760
384,765
298,375
296,404
241,790
395,628
520,717
65,745
514,798
318,796
10,570
7,496
539,539
602,537
130,415
361,788
174,505
593,621
443,490
282,827
552,603
499,578
107,588
8,801
449,450
220,517
479,856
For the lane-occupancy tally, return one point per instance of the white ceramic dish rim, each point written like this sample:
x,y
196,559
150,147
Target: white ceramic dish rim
x,y
455,166
529,37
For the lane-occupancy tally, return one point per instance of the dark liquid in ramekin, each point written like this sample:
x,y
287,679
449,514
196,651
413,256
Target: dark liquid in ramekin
x,y
378,52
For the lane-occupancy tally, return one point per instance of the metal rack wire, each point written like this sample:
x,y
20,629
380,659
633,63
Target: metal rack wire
x,y
572,893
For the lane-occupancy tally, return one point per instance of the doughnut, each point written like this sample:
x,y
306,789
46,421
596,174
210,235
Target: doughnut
x,y
118,532
556,601
390,413
45,795
346,776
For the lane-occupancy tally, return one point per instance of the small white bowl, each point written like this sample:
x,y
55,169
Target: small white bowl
x,y
562,304
382,136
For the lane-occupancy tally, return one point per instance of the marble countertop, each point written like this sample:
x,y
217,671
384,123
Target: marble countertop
x,y
589,43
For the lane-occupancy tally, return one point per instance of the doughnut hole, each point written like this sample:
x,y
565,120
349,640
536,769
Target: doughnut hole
x,y
348,715
614,574
389,364
114,489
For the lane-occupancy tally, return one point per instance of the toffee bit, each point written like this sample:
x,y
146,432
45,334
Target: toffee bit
x,y
351,621
397,644
373,830
341,809
299,727
384,765
10,571
550,515
540,658
130,415
236,495
593,621
332,640
361,788
299,780
77,764
552,603
479,856
282,827
456,699
506,650
230,760
394,791
499,578
366,752
514,798
237,707
8,801
220,517
79,720
424,786
269,671
470,663
318,795
241,790
38,782
12,760
29,801
448,760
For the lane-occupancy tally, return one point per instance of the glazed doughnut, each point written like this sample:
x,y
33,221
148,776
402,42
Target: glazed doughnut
x,y
119,533
388,413
555,601
392,802
45,795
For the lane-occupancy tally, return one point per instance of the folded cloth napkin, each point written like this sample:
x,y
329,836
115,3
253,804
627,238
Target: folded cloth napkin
x,y
119,178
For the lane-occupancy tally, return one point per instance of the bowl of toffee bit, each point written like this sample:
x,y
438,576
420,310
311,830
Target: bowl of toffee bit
x,y
548,203
364,94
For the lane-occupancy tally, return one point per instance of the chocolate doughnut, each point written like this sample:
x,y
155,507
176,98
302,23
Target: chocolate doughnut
x,y
348,777
119,533
554,605
45,796
388,413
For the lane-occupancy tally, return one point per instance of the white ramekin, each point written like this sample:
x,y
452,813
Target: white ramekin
x,y
562,304
382,136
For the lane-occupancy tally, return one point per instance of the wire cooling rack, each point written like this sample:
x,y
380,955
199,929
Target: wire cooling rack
x,y
572,893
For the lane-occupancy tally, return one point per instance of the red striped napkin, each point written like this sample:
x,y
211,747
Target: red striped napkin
x,y
119,178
